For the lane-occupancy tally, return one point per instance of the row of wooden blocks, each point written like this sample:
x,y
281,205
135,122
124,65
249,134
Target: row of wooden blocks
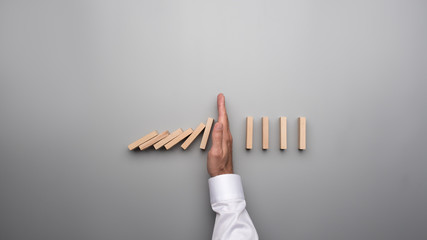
x,y
283,133
168,140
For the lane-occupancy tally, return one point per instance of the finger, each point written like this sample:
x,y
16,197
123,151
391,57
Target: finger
x,y
222,111
217,135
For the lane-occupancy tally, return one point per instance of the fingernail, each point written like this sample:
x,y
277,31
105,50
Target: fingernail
x,y
218,126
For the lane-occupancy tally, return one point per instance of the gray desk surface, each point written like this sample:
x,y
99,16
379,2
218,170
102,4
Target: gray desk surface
x,y
80,80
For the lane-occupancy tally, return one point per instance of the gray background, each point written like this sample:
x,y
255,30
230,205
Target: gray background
x,y
80,80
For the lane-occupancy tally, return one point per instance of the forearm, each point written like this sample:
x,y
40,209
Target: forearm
x,y
228,201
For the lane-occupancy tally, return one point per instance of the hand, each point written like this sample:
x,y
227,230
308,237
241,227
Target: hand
x,y
220,160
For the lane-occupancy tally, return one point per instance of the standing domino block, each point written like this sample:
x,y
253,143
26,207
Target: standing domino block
x,y
302,133
152,141
283,133
142,140
249,132
264,132
193,136
206,133
178,139
169,138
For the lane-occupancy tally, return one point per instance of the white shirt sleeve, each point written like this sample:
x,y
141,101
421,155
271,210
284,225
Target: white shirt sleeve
x,y
228,201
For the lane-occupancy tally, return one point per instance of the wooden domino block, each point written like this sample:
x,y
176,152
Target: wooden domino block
x,y
178,139
283,133
193,136
302,122
205,137
152,141
142,140
169,138
249,132
264,132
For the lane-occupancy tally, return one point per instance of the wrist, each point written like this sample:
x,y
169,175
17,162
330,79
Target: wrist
x,y
221,172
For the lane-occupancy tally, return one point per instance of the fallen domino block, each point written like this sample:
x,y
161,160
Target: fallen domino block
x,y
249,132
205,137
152,141
176,140
264,132
302,122
193,136
142,140
283,133
169,138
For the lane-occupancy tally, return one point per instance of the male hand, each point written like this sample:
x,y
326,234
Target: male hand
x,y
220,160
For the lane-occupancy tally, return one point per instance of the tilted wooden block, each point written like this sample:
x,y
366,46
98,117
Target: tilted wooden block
x,y
265,132
193,136
283,133
249,132
152,141
142,140
178,139
169,138
205,137
302,133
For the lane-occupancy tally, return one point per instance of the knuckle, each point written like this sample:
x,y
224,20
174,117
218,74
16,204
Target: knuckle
x,y
215,153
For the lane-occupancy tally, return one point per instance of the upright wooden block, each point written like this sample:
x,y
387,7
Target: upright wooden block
x,y
206,134
249,132
193,136
152,141
178,139
302,122
142,140
169,138
283,133
264,132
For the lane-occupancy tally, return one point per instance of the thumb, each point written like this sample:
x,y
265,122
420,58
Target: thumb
x,y
217,136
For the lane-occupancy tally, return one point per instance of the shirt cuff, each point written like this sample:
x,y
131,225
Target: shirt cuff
x,y
225,187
